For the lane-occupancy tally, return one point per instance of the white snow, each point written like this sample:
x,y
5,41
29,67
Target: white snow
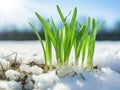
x,y
29,85
4,63
12,74
34,69
10,85
107,58
45,81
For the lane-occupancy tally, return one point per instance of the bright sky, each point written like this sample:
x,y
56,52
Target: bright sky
x,y
21,12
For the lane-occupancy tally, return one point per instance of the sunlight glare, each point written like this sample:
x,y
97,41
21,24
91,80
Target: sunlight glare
x,y
8,5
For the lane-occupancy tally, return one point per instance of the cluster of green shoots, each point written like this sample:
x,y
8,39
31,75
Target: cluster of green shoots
x,y
69,35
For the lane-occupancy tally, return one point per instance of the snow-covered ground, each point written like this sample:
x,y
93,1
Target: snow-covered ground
x,y
107,58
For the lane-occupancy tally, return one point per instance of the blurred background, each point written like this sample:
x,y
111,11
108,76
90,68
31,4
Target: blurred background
x,y
16,14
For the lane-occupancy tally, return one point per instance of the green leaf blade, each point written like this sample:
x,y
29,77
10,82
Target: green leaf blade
x,y
47,28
